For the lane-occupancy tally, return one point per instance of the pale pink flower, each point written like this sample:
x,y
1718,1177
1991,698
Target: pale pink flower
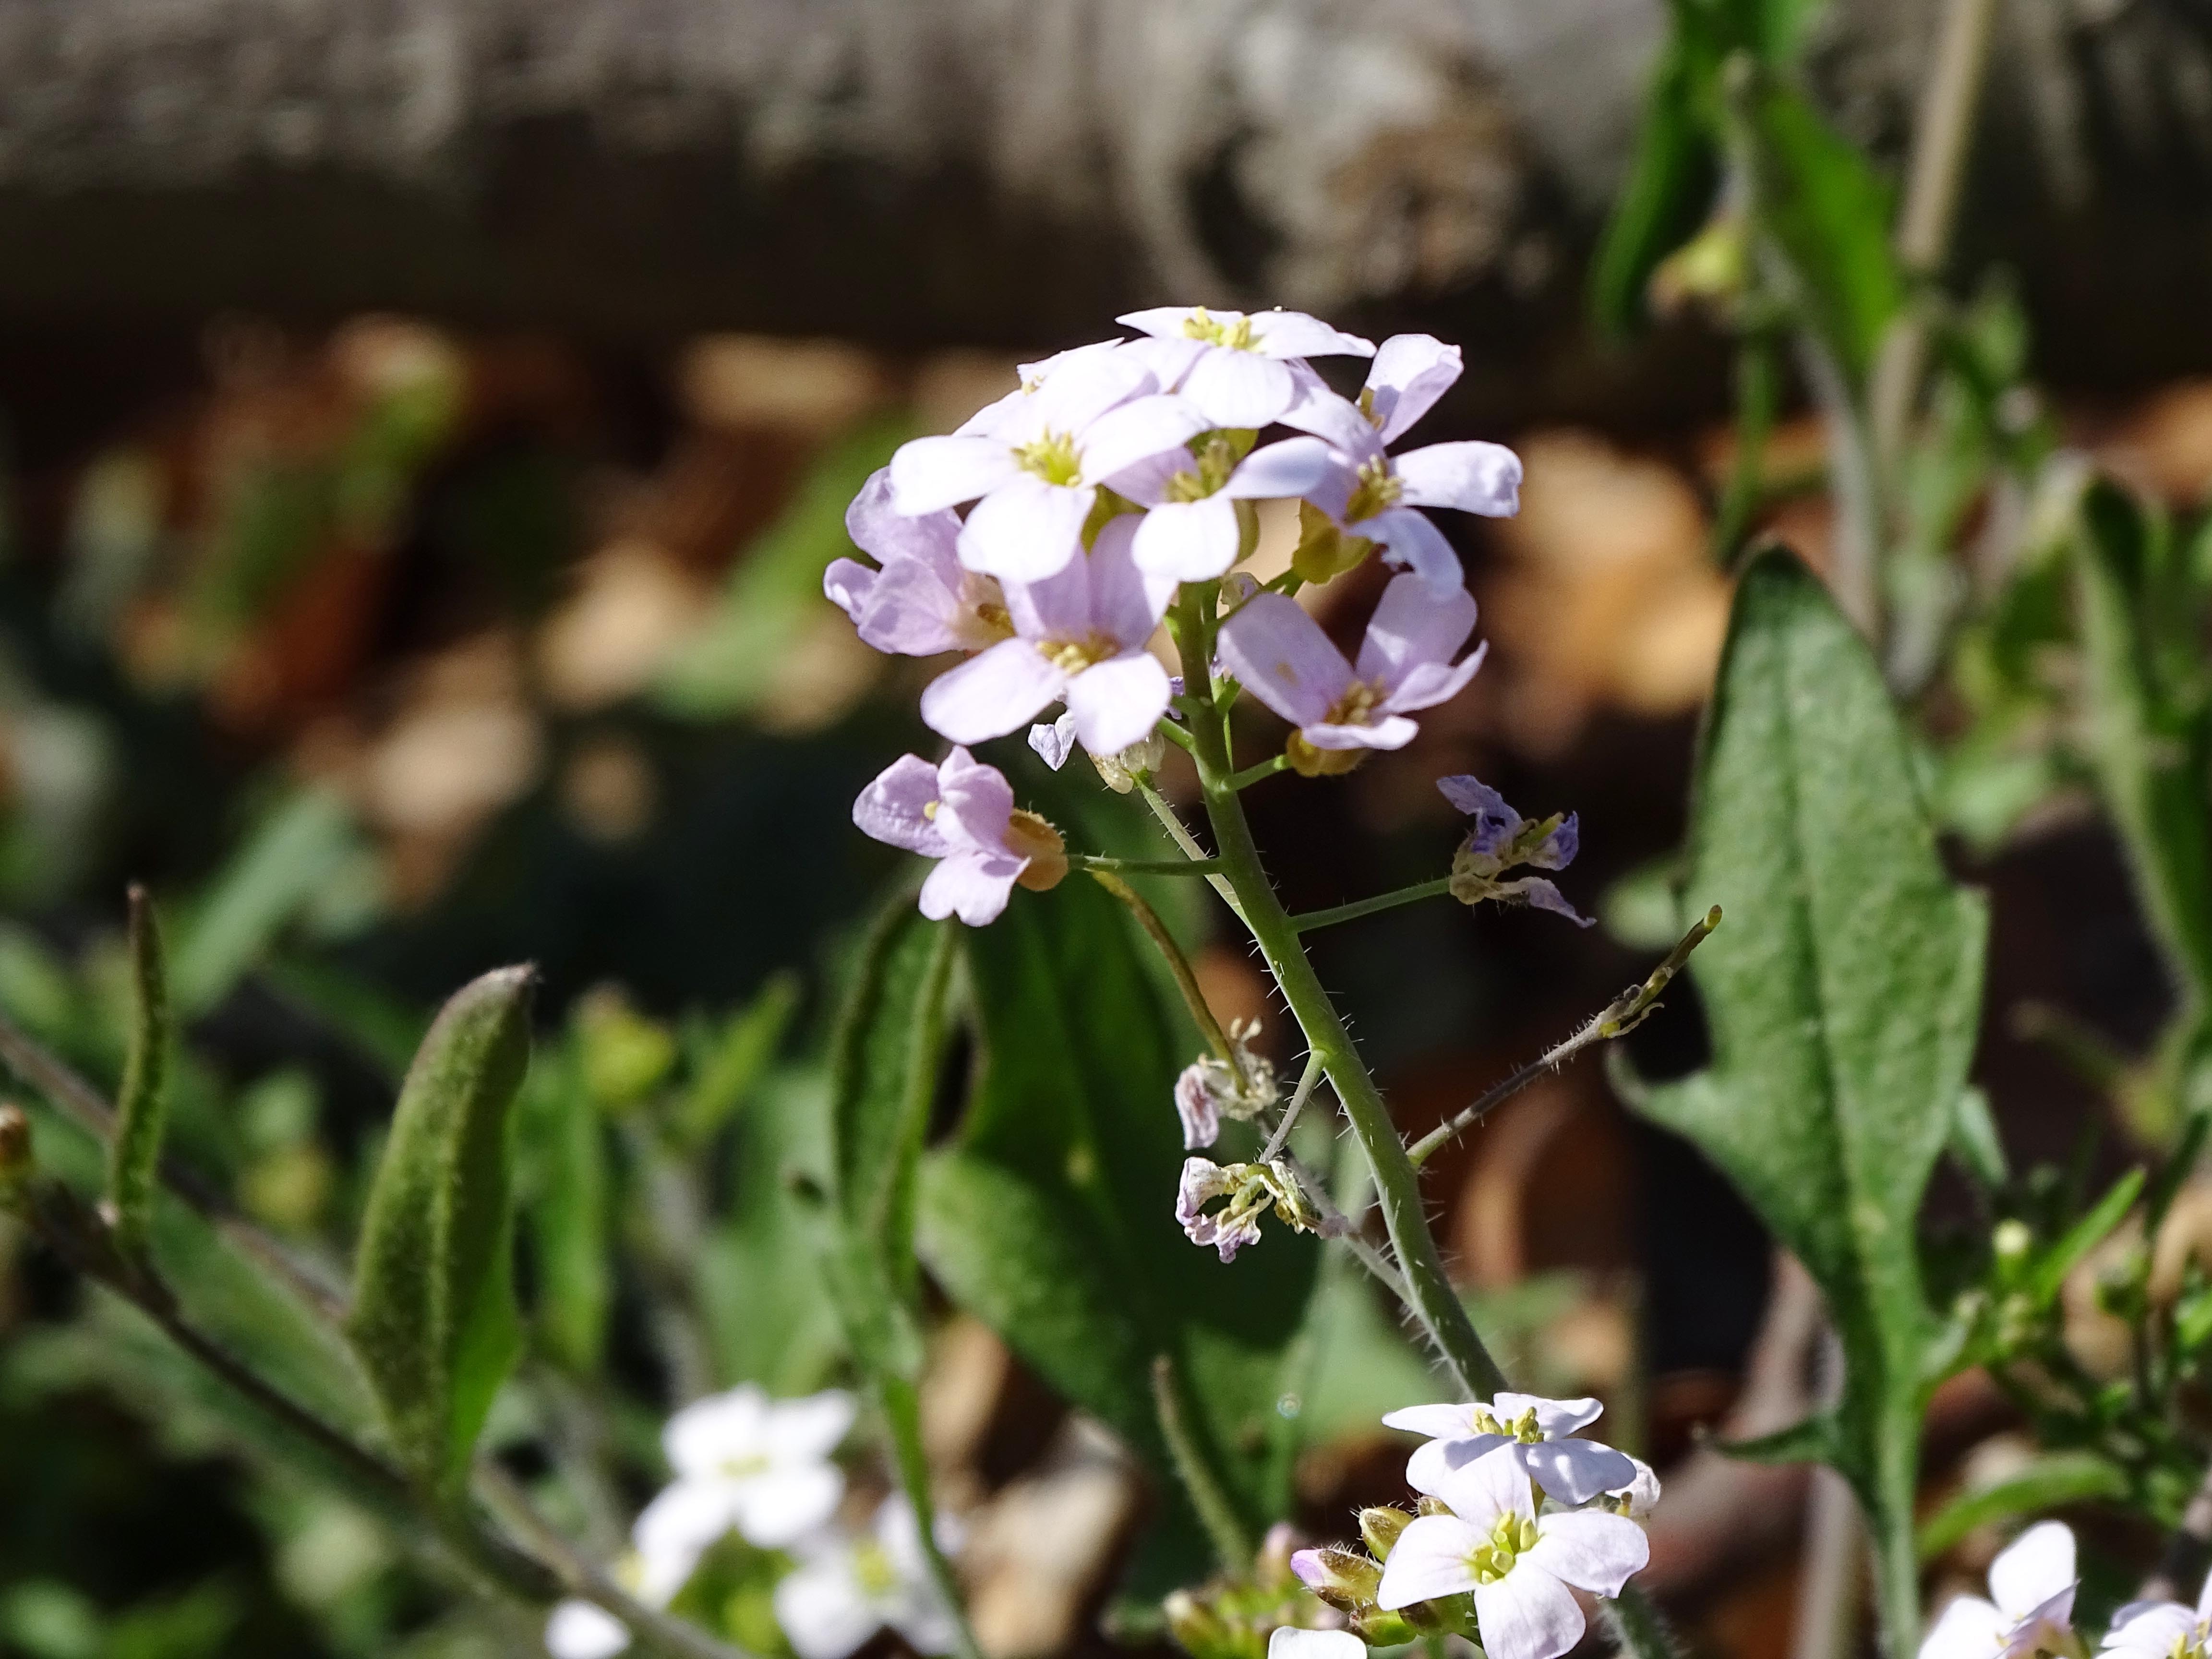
x,y
1241,369
962,814
922,601
1542,1433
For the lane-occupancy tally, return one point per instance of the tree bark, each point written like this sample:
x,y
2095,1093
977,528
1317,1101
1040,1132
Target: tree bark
x,y
1011,172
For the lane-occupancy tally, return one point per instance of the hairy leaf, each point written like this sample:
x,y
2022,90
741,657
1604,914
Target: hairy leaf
x,y
434,1318
1052,1216
142,1102
1842,1000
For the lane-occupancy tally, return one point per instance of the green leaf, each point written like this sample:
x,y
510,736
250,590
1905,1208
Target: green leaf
x,y
564,1178
1842,1001
2049,1481
434,1318
2049,1275
1052,1216
1814,1440
2149,739
1670,183
142,1102
1831,216
1974,1140
727,1064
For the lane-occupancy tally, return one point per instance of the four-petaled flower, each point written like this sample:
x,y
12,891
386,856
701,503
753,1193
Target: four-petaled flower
x,y
2031,1605
1372,494
1500,840
922,601
1189,531
1034,470
1341,709
962,814
846,1587
1517,1564
1240,369
1541,1432
2163,1630
1080,635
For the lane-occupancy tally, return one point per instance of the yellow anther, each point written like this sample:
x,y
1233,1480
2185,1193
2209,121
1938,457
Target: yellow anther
x,y
1051,457
1375,487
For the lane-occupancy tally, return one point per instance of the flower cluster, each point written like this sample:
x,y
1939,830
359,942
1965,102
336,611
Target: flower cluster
x,y
2030,1611
1048,537
1517,1512
762,1469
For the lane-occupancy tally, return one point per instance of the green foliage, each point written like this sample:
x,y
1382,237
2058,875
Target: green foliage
x,y
566,1201
1842,999
2047,1483
142,1102
1670,183
1051,1214
434,1317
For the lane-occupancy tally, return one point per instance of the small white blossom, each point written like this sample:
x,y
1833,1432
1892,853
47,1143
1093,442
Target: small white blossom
x,y
1541,1433
1289,1642
579,1630
2163,1630
847,1588
1517,1564
2031,1605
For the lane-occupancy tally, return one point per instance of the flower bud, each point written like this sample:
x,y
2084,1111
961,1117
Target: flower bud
x,y
1345,1579
2011,1241
1380,1528
1040,844
1124,771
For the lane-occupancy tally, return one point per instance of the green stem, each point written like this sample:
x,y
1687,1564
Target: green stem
x,y
1145,867
1311,920
1758,389
1186,980
1231,1543
142,1102
1179,833
1252,774
902,1407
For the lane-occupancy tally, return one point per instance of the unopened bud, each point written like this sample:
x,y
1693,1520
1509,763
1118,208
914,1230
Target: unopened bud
x,y
1125,771
2012,1241
1380,1528
1345,1579
1237,587
1037,841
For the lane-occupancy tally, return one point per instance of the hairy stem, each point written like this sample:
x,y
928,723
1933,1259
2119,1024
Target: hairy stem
x,y
1311,920
1215,1512
1144,866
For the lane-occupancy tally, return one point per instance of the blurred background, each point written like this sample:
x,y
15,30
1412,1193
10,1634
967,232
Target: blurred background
x,y
422,429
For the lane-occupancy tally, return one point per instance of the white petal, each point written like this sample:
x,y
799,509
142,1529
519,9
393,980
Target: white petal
x,y
809,1429
1574,1471
1083,387
1162,322
1168,359
1431,1465
1392,731
578,1630
784,1505
1414,623
1141,427
994,418
822,1610
1969,1628
1283,658
1444,1422
1555,1418
973,886
1289,1642
1239,388
1056,742
1492,1485
1127,602
930,474
1410,372
2036,1567
2152,1629
1590,1549
682,1523
720,1429
1426,685
1118,702
1430,1559
1336,422
1026,529
1474,477
1409,539
991,695
1527,1614
1289,467
1294,334
1188,541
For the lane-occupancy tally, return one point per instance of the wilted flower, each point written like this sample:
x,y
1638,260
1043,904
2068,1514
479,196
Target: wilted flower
x,y
921,602
962,813
1240,369
1034,467
1501,840
1518,1565
1283,658
1542,1435
1212,1088
847,1588
1252,1190
1080,635
2031,1605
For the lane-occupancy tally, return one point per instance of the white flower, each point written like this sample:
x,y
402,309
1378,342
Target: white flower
x,y
742,1461
1289,1642
1032,462
1240,369
579,1630
2031,1607
2163,1630
1641,1495
1518,1565
847,1588
1540,1432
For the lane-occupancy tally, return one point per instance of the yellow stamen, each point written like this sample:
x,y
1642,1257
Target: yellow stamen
x,y
1201,324
1051,457
1377,487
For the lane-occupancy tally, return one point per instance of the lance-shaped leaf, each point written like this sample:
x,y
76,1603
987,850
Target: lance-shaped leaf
x,y
141,1104
1842,999
434,1318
